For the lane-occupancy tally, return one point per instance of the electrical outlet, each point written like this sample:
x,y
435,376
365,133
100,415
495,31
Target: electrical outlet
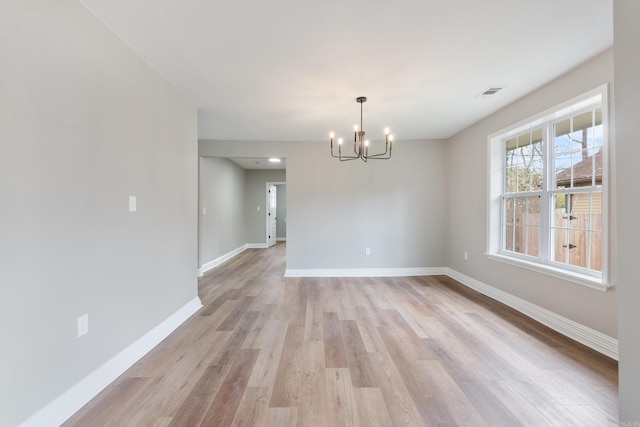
x,y
132,203
367,251
83,325
466,255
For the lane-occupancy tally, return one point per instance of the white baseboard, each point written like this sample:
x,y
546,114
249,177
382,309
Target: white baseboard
x,y
226,257
281,239
366,272
216,262
63,407
591,338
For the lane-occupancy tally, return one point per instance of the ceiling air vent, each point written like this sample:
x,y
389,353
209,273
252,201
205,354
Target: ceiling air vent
x,y
490,91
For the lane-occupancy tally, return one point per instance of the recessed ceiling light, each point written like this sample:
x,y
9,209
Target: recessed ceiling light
x,y
274,160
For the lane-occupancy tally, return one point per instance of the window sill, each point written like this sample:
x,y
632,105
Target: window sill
x,y
580,279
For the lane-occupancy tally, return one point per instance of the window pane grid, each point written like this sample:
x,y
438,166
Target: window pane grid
x,y
576,221
577,229
523,162
577,153
571,194
521,226
547,191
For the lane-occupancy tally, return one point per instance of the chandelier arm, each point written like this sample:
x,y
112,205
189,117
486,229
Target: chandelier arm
x,y
388,146
379,155
382,156
376,157
341,157
332,155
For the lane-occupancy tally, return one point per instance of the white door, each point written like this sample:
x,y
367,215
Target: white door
x,y
272,215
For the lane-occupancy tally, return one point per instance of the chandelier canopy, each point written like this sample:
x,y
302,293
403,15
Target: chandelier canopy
x,y
361,145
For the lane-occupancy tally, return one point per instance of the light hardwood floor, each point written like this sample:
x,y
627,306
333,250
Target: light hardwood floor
x,y
409,351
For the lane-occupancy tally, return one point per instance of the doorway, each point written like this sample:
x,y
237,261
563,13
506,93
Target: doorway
x,y
275,215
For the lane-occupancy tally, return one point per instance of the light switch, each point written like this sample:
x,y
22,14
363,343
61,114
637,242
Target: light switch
x,y
258,208
132,203
83,325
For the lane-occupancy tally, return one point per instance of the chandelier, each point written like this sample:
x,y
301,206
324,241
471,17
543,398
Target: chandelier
x,y
361,145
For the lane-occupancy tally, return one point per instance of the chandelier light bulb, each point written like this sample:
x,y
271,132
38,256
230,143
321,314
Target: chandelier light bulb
x,y
340,141
386,131
366,143
390,137
355,128
331,135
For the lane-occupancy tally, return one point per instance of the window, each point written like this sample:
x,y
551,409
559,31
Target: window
x,y
547,187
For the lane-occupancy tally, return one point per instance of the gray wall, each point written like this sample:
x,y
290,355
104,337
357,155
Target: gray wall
x,y
222,227
231,196
467,187
395,207
84,124
256,195
281,212
627,92
335,210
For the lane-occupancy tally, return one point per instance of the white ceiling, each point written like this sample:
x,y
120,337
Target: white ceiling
x,y
289,70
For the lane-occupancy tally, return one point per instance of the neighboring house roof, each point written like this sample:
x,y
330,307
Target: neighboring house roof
x,y
582,172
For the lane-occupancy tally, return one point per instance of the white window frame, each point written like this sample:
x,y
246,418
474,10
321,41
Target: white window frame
x,y
496,172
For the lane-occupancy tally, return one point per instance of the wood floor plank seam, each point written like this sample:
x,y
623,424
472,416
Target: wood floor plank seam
x,y
269,351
